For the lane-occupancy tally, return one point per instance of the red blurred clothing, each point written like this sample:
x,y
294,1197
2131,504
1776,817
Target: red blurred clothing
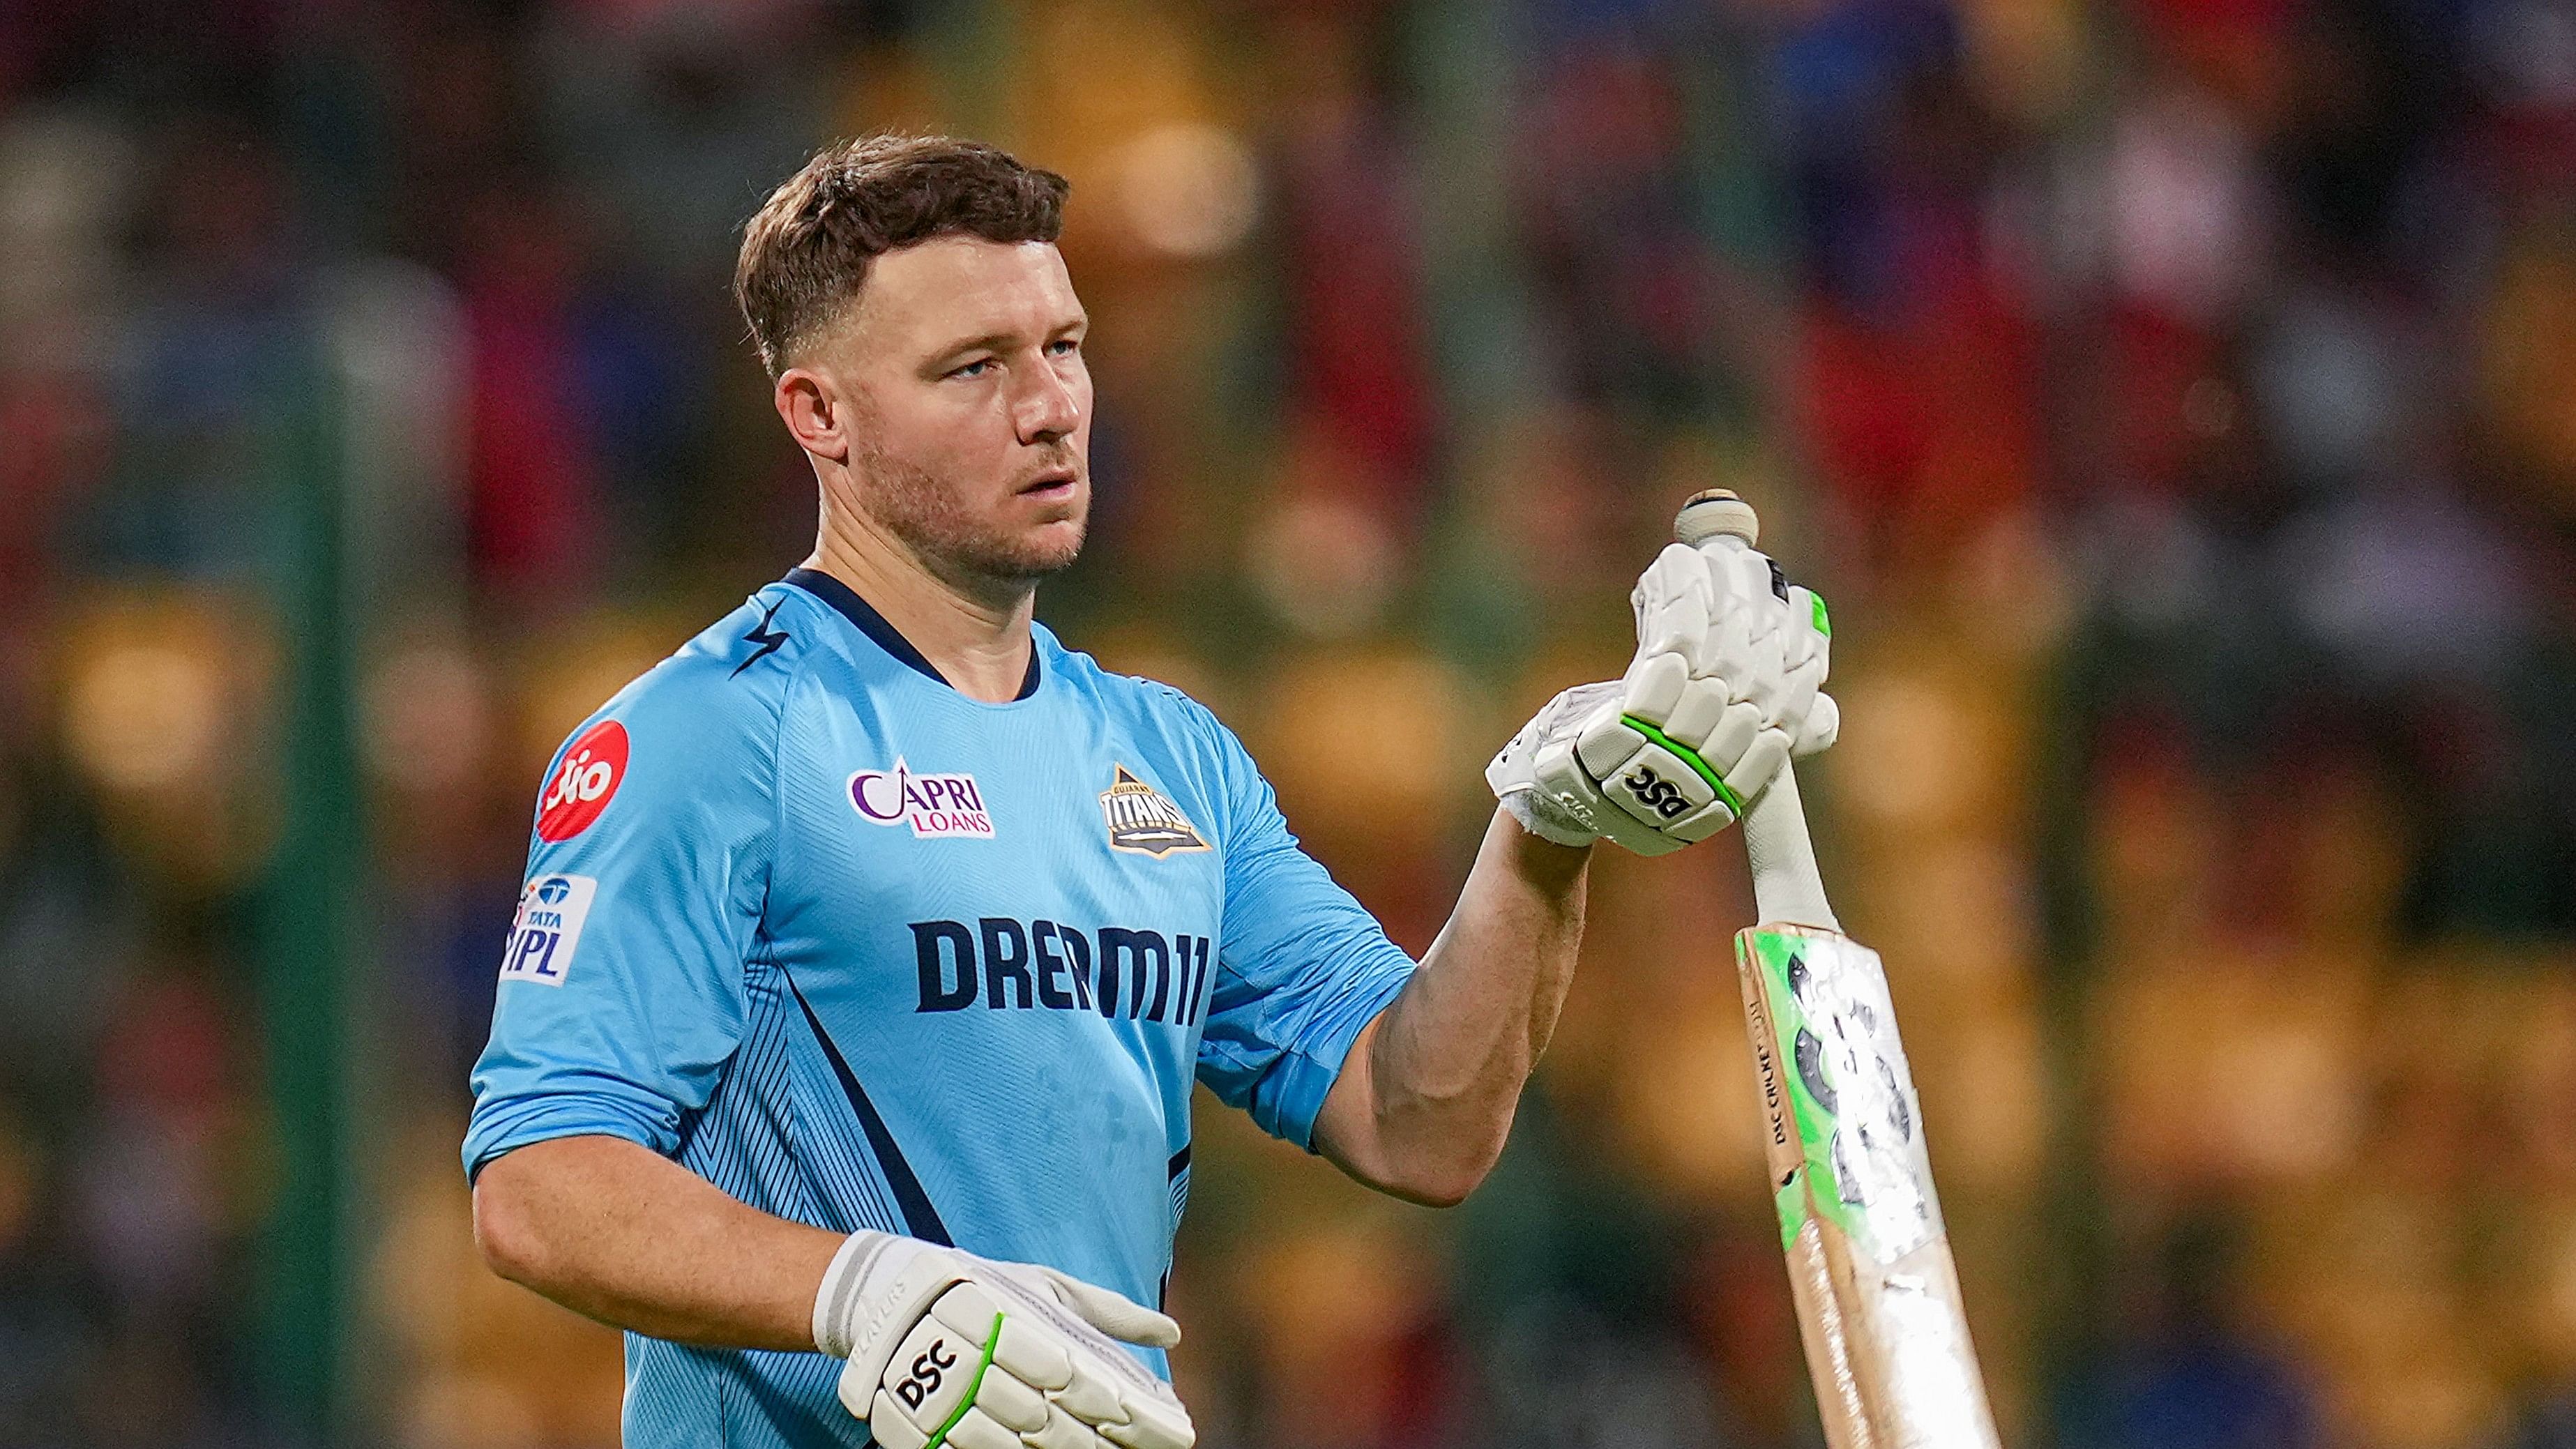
x,y
1923,420
1355,318
534,512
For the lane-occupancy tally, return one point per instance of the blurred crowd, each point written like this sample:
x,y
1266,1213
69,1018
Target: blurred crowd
x,y
2176,398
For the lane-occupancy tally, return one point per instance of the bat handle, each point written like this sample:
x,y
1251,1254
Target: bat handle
x,y
1787,888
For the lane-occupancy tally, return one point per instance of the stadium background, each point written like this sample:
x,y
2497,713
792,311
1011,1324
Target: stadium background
x,y
2176,398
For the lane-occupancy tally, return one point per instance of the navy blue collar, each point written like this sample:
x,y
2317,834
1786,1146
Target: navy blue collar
x,y
873,624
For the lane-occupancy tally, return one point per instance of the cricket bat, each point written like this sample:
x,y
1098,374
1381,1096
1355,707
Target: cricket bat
x,y
1869,1260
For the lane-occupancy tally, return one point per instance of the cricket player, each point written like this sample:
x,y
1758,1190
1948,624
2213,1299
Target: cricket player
x,y
871,942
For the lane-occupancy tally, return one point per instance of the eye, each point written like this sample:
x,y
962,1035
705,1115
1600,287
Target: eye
x,y
1064,347
977,368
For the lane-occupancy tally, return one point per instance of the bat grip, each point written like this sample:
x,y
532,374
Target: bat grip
x,y
1787,888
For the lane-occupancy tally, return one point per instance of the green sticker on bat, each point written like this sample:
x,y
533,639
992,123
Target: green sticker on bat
x,y
1791,1199
1847,1092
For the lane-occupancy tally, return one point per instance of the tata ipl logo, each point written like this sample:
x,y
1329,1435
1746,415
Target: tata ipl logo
x,y
548,929
933,805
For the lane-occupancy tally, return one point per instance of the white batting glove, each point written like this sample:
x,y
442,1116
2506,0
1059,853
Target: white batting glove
x,y
947,1348
1722,691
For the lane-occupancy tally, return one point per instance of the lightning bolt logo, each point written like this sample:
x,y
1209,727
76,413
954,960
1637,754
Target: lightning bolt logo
x,y
767,638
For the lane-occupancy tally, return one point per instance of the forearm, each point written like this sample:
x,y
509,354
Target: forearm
x,y
1423,1105
614,1231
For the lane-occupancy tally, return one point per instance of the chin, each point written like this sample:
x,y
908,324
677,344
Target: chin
x,y
1044,557
1059,537
1039,552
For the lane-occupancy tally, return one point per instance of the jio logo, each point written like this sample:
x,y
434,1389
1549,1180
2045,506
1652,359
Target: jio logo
x,y
593,766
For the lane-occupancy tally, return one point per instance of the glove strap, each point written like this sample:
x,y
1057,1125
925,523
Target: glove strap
x,y
836,1301
1524,806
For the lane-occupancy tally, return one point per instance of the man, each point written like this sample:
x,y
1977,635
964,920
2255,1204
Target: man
x,y
872,942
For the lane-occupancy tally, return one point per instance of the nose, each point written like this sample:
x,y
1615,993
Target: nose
x,y
1047,408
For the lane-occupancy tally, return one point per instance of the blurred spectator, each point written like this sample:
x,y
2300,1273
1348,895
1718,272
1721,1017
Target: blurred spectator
x,y
2184,1376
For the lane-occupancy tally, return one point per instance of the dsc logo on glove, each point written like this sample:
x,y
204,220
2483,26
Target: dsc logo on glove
x,y
1655,792
927,1370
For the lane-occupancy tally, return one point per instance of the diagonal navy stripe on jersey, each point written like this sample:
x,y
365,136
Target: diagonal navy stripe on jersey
x,y
921,1220
799,1421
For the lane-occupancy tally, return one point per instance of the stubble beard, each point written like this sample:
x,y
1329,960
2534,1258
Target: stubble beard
x,y
924,513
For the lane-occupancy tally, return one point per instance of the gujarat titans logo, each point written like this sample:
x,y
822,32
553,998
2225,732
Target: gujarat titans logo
x,y
1144,820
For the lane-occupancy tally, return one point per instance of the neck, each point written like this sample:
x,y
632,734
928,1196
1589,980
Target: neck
x,y
978,640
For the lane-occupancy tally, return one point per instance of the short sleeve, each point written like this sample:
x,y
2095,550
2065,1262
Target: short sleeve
x,y
621,982
1302,966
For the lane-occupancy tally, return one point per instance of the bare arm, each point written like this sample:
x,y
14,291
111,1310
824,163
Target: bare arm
x,y
613,1230
1424,1102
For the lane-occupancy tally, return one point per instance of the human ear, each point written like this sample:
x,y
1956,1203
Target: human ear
x,y
816,414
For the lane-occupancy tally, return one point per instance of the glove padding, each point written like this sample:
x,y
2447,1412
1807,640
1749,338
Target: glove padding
x,y
1722,691
948,1348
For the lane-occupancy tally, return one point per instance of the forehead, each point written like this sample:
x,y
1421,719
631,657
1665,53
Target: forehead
x,y
953,288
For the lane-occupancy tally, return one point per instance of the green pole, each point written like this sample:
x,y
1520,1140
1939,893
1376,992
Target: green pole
x,y
1460,63
1481,612
307,915
973,65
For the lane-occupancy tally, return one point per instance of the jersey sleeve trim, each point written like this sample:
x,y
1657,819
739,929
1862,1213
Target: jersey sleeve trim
x,y
1288,1097
504,1126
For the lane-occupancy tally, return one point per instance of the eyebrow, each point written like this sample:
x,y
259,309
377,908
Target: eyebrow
x,y
989,342
998,341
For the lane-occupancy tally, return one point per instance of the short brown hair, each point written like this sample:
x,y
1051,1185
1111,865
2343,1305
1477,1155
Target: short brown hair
x,y
806,251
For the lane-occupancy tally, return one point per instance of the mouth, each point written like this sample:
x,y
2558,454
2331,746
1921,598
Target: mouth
x,y
1051,486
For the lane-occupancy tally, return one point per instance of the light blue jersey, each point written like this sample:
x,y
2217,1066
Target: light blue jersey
x,y
867,953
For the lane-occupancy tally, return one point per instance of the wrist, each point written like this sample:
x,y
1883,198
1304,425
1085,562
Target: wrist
x,y
1549,864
